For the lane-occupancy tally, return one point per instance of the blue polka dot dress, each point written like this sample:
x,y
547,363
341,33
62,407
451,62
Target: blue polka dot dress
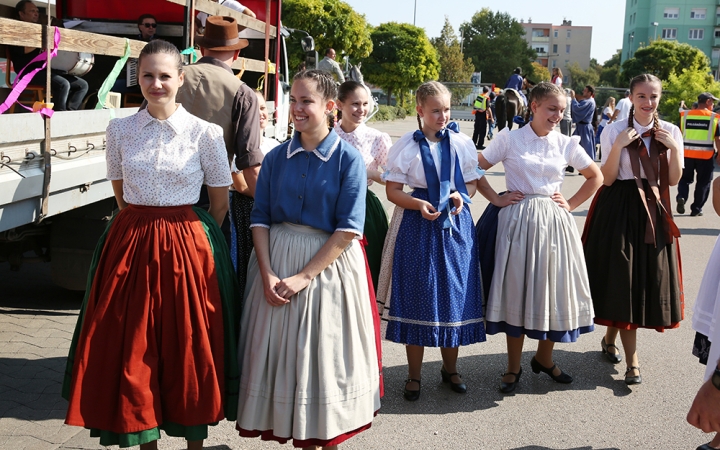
x,y
436,291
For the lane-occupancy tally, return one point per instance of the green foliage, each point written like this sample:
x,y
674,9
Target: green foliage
x,y
685,86
402,59
384,114
495,43
581,78
332,23
610,73
400,112
454,67
663,58
539,73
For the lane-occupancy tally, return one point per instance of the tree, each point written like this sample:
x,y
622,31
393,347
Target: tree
x,y
581,78
610,74
402,59
663,58
496,45
453,67
539,72
686,85
332,23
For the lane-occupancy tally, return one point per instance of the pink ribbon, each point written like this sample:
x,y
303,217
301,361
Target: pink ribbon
x,y
23,79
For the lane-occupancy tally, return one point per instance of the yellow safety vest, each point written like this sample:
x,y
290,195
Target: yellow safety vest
x,y
480,102
699,127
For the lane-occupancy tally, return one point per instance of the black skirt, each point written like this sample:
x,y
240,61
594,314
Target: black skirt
x,y
240,209
633,284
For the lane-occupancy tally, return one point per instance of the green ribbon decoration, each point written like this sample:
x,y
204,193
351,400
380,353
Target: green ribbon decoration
x,y
191,51
110,80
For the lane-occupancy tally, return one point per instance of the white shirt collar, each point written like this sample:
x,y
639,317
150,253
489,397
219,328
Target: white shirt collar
x,y
177,120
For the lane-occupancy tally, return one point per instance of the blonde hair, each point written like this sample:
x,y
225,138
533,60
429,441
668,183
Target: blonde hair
x,y
609,101
558,71
429,89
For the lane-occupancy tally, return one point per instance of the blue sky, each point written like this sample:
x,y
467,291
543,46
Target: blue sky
x,y
606,16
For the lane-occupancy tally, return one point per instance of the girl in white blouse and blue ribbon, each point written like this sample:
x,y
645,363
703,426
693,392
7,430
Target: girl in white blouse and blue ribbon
x,y
540,286
435,289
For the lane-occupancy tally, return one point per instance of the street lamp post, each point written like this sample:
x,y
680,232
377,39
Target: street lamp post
x,y
655,24
414,12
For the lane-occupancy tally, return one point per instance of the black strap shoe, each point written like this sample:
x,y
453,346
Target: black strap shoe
x,y
507,388
460,387
409,395
562,378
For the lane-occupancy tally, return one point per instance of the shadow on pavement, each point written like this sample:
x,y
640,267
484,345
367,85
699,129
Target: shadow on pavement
x,y
699,231
31,288
30,388
482,375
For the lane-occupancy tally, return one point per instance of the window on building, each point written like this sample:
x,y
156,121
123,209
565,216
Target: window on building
x,y
555,32
669,33
567,48
554,63
717,12
717,33
715,55
555,48
696,34
568,34
634,16
698,13
671,13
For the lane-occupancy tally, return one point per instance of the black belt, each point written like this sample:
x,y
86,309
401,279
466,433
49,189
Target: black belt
x,y
583,123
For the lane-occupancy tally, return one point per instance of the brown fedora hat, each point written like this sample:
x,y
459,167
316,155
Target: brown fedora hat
x,y
221,34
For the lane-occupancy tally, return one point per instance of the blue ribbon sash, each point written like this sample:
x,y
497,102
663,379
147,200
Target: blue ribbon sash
x,y
439,187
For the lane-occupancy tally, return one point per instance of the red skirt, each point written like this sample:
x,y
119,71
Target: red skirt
x,y
151,348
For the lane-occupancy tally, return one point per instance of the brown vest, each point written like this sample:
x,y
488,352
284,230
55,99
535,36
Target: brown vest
x,y
209,93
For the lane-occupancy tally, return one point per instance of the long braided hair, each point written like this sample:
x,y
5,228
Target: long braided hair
x,y
644,78
540,92
426,90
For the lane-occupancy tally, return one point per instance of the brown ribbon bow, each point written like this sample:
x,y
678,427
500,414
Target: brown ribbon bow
x,y
654,162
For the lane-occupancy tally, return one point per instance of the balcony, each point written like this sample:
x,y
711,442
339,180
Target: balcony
x,y
717,19
716,42
540,39
542,54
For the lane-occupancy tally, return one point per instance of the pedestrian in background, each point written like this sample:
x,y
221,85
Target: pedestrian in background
x,y
480,107
155,343
307,343
701,135
491,116
622,108
630,237
539,287
605,116
583,114
566,121
557,77
436,295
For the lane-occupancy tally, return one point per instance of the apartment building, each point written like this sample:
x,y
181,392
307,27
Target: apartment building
x,y
559,45
695,22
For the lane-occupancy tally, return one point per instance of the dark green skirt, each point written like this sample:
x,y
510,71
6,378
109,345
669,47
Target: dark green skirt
x,y
376,227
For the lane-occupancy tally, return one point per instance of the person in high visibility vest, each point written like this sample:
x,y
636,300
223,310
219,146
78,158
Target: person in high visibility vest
x,y
480,109
701,136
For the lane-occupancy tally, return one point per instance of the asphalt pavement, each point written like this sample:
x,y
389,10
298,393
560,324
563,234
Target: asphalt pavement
x,y
597,411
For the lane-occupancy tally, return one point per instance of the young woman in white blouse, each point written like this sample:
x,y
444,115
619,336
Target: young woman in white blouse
x,y
539,287
631,240
155,344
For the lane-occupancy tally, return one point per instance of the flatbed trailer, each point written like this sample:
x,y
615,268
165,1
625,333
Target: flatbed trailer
x,y
54,198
